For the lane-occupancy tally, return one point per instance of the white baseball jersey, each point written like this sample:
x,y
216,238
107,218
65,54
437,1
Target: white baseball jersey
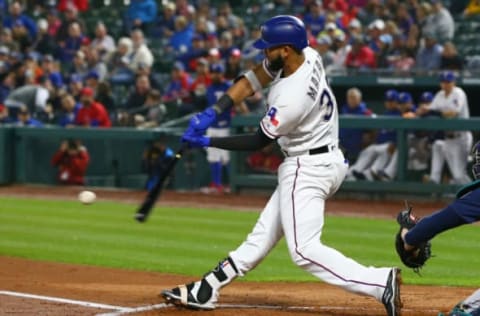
x,y
301,108
302,115
455,101
452,151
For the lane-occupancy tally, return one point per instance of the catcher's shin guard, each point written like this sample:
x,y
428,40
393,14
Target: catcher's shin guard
x,y
203,294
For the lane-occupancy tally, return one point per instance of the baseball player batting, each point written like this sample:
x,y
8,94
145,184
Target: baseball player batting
x,y
465,209
302,117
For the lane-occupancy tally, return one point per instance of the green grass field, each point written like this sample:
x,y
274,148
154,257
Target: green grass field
x,y
191,241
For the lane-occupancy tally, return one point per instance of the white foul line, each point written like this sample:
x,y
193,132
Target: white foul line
x,y
64,300
136,310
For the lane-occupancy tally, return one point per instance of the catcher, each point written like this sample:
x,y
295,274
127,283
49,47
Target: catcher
x,y
413,239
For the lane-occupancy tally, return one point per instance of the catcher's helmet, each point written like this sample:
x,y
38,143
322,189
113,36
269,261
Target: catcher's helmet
x,y
282,30
476,160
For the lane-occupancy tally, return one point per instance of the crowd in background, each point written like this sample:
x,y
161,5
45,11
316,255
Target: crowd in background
x,y
56,68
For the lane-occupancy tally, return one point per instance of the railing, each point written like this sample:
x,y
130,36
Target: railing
x,y
240,178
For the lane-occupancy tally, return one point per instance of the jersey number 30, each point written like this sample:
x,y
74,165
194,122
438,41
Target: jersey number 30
x,y
326,99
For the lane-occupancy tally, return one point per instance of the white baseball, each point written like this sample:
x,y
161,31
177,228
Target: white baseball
x,y
87,197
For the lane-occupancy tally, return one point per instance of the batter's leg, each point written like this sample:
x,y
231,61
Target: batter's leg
x,y
303,191
204,294
438,160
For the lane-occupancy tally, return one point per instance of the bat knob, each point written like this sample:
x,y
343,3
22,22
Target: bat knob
x,y
140,218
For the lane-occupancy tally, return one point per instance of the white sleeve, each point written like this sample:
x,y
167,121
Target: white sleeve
x,y
41,98
435,105
280,120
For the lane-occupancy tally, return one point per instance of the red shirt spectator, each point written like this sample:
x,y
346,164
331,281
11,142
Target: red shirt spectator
x,y
72,160
80,5
360,56
91,113
264,160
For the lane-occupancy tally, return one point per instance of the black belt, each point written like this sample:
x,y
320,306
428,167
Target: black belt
x,y
319,150
315,151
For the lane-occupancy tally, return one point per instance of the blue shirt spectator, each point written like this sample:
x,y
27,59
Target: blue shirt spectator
x,y
16,15
181,40
70,109
141,12
430,55
315,19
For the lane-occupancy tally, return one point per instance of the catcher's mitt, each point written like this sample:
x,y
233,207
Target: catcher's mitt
x,y
416,257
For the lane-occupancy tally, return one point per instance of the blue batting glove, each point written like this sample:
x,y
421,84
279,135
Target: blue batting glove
x,y
196,141
203,120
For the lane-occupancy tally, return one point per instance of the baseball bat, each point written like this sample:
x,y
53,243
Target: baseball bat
x,y
152,196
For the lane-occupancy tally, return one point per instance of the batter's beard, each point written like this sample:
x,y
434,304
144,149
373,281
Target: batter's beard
x,y
277,64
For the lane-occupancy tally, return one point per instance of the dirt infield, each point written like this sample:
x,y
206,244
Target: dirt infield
x,y
92,290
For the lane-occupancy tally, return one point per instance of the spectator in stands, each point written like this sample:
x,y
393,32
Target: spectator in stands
x,y
430,54
33,96
314,19
373,160
140,15
264,160
4,117
69,110
153,112
199,86
225,10
354,27
140,51
440,23
117,61
233,65
401,62
178,88
197,51
403,19
103,43
54,23
155,160
91,80
451,101
375,31
7,84
71,16
75,86
72,160
450,59
6,40
92,113
25,119
248,51
79,5
340,55
96,65
79,66
331,30
144,70
472,9
44,43
166,22
138,95
324,44
181,39
360,57
21,36
104,95
71,44
353,139
16,16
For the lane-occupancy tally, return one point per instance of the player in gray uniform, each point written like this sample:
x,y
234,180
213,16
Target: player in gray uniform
x,y
302,117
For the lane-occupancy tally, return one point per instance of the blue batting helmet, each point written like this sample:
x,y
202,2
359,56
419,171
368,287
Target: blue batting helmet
x,y
476,160
282,30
